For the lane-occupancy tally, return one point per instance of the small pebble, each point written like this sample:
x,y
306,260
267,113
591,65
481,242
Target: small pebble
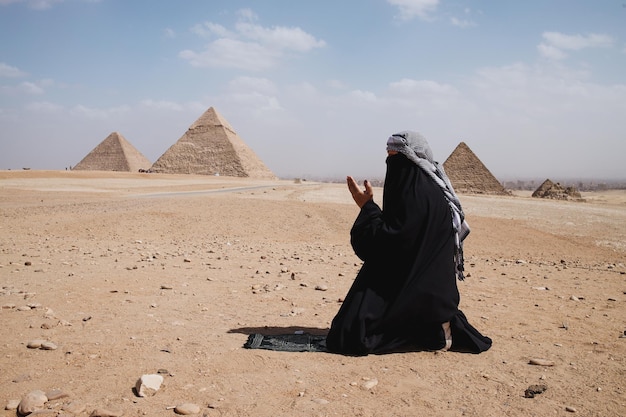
x,y
369,384
533,390
48,346
12,405
540,362
33,401
35,344
187,408
148,385
74,407
321,287
105,412
570,409
55,394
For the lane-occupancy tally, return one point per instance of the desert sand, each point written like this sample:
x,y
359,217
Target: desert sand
x,y
132,274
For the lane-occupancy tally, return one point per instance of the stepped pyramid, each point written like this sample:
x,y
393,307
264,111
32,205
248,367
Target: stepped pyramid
x,y
211,147
114,153
468,174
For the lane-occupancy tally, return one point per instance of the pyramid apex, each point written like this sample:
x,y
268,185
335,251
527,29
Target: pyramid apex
x,y
211,117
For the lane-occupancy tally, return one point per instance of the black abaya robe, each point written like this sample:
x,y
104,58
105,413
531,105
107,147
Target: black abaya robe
x,y
407,286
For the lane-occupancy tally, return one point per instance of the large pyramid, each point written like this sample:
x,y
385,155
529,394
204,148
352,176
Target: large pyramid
x,y
211,147
468,174
114,153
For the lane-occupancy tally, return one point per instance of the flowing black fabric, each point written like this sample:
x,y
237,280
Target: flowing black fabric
x,y
407,286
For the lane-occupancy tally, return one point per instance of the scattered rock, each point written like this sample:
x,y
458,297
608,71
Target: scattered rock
x,y
74,407
148,385
570,409
533,390
12,405
55,394
187,408
370,383
540,362
35,344
21,378
41,344
105,412
48,346
321,287
33,401
320,401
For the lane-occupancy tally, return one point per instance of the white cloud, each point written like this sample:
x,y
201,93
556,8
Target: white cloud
x,y
232,53
9,71
262,85
280,38
576,42
366,96
550,51
169,33
30,88
249,46
208,29
409,86
40,4
414,8
462,23
44,107
98,113
162,104
556,43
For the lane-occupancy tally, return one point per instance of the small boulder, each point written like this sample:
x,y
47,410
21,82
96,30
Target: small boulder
x,y
148,385
33,401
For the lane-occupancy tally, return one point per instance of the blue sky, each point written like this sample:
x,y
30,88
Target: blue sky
x,y
537,89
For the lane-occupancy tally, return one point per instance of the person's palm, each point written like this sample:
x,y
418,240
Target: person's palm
x,y
360,197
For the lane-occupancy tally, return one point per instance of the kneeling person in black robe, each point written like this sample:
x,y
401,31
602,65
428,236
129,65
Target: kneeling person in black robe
x,y
405,297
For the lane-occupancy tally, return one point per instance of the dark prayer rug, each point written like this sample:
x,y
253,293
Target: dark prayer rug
x,y
287,342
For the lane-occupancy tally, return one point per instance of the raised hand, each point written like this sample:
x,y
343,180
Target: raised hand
x,y
360,197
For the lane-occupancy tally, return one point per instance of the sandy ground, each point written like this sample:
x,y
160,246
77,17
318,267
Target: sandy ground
x,y
133,274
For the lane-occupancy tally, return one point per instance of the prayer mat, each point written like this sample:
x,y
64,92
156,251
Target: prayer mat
x,y
287,342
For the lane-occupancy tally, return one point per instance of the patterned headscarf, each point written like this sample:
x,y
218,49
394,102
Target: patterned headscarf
x,y
415,147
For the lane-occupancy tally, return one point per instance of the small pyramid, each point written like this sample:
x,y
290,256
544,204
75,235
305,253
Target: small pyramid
x,y
556,191
114,153
211,147
469,175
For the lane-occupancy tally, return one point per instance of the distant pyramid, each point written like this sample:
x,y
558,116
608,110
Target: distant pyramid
x,y
468,174
211,147
548,189
114,153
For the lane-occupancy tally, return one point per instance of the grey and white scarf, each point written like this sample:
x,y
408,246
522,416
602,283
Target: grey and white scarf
x,y
415,147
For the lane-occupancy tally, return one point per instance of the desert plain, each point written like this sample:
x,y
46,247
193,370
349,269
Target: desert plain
x,y
126,274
